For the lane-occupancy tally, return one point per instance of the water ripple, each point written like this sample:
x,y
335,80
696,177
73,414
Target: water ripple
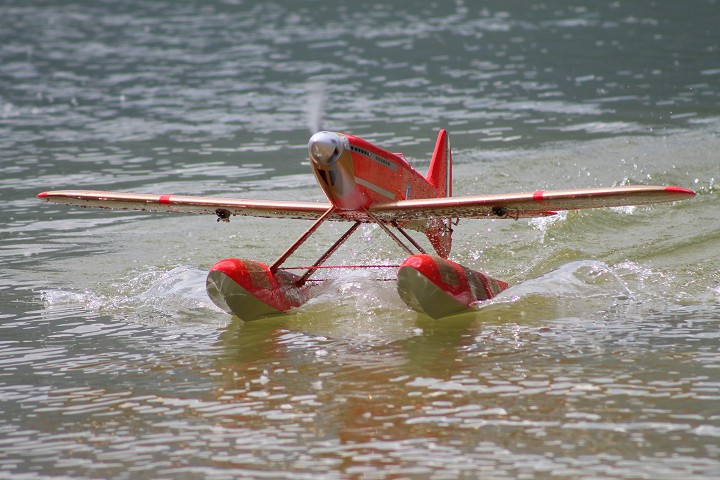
x,y
600,361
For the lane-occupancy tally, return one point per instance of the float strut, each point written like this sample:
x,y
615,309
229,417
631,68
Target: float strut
x,y
389,232
301,281
301,240
408,237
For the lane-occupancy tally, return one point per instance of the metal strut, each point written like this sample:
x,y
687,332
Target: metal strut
x,y
327,254
408,237
301,240
389,232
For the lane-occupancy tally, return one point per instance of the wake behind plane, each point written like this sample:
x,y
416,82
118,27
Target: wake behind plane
x,y
364,183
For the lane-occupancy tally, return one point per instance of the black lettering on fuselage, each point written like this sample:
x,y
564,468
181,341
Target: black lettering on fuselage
x,y
374,157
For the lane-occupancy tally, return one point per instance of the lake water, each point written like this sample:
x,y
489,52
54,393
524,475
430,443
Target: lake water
x,y
601,361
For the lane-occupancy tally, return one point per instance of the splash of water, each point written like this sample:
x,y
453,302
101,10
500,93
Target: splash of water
x,y
152,295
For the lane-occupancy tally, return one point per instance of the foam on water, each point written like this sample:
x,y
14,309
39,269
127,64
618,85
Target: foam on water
x,y
153,297
579,279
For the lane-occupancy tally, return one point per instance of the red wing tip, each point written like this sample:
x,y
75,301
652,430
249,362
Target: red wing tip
x,y
680,190
42,195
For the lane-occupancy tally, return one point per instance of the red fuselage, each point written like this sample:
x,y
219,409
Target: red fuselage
x,y
355,174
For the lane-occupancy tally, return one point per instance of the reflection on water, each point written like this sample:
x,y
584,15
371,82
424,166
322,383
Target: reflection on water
x,y
465,396
600,361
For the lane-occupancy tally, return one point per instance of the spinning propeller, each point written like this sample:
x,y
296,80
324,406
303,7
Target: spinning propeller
x,y
315,107
324,147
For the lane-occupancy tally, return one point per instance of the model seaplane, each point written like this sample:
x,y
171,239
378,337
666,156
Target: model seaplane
x,y
367,184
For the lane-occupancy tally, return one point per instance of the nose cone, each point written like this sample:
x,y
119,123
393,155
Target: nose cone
x,y
325,147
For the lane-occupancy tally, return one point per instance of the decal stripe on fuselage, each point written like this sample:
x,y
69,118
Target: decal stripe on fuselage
x,y
375,188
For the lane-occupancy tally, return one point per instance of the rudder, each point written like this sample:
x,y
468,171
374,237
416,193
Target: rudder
x,y
440,172
439,230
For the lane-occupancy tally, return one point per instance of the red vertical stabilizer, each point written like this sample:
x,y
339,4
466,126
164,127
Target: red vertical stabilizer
x,y
440,172
439,175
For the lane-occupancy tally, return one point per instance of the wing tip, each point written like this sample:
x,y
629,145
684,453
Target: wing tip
x,y
679,191
43,195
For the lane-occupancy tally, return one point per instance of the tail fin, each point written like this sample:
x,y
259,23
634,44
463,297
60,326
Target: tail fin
x,y
439,230
440,172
